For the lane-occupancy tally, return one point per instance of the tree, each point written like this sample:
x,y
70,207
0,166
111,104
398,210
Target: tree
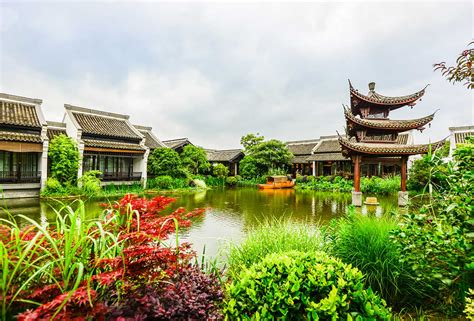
x,y
262,156
165,161
271,154
463,71
220,170
249,169
64,158
195,159
249,141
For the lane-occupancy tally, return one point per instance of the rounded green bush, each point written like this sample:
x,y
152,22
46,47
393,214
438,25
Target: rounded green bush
x,y
53,185
164,182
302,286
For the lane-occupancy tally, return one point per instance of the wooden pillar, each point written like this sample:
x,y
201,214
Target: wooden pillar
x,y
404,174
356,173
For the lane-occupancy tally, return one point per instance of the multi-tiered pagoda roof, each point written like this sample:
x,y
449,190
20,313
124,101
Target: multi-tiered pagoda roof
x,y
370,131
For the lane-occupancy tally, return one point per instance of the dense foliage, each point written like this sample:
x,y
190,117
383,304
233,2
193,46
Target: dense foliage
x,y
370,185
262,156
90,182
364,242
436,241
76,268
272,237
220,171
64,159
165,161
249,168
194,159
302,286
428,173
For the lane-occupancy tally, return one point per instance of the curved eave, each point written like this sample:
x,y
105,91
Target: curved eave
x,y
390,125
351,148
381,100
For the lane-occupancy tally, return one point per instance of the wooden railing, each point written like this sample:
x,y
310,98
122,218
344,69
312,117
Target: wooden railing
x,y
20,176
135,176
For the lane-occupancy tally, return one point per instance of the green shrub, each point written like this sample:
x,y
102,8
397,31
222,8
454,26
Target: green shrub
x,y
274,236
430,170
167,183
90,182
249,168
469,308
436,240
53,186
194,159
325,183
379,185
64,158
164,182
364,242
165,162
302,286
220,170
231,181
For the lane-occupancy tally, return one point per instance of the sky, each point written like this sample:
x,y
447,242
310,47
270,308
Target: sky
x,y
214,72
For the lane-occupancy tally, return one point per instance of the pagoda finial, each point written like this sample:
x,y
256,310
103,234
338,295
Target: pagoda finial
x,y
372,86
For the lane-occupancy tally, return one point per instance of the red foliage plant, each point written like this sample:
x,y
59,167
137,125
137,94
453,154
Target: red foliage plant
x,y
149,279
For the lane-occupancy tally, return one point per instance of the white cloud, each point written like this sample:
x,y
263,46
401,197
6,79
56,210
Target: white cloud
x,y
213,72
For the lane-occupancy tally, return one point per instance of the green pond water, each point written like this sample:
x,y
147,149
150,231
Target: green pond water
x,y
231,213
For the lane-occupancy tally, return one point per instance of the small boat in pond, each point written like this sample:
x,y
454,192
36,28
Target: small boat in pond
x,y
277,182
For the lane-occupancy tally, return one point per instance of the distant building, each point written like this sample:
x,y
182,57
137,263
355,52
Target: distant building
x,y
108,142
151,141
327,158
458,135
301,149
23,146
177,144
229,157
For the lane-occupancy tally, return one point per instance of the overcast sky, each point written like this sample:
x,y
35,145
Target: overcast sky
x,y
214,72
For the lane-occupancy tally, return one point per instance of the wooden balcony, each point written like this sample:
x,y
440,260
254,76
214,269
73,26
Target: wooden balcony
x,y
16,177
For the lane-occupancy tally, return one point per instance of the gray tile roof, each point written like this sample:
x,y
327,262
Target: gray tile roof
x,y
19,137
18,114
112,145
223,155
303,147
178,142
150,141
104,126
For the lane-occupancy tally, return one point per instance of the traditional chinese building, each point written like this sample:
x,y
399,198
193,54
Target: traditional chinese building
x,y
151,141
23,146
109,143
301,150
458,135
229,157
372,135
177,144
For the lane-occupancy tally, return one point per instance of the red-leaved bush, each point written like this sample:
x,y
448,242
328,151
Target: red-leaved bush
x,y
149,281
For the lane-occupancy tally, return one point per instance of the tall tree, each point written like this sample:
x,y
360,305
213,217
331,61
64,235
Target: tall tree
x,y
249,141
261,155
164,161
195,159
64,157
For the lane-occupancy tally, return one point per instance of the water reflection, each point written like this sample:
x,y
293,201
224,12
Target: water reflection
x,y
231,212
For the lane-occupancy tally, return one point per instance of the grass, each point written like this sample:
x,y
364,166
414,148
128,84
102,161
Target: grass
x,y
364,242
36,255
274,236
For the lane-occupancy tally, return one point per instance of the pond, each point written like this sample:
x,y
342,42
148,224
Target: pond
x,y
231,212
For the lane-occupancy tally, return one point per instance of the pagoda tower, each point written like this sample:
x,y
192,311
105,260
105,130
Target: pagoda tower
x,y
370,133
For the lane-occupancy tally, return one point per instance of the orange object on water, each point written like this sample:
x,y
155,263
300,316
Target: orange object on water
x,y
277,182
